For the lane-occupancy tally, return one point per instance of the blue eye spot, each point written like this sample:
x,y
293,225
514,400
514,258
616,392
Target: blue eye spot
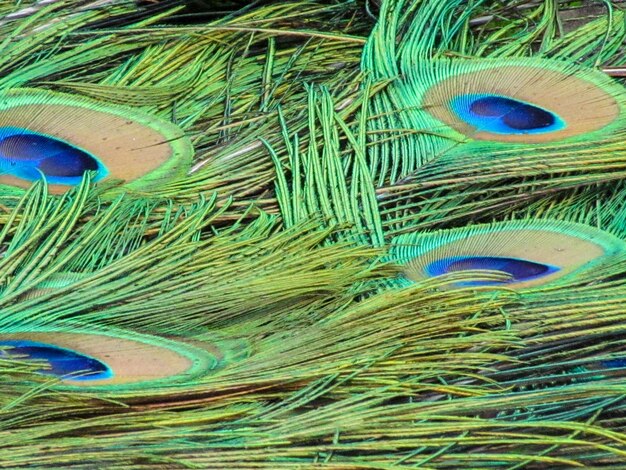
x,y
502,115
63,362
27,155
614,363
519,269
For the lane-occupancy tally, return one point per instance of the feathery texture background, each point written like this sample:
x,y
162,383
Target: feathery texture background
x,y
308,234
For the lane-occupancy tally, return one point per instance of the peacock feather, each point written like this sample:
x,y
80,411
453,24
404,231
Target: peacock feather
x,y
532,252
360,235
109,359
59,138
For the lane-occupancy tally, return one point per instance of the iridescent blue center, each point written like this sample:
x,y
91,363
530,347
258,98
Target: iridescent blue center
x,y
29,155
520,270
502,115
63,362
614,363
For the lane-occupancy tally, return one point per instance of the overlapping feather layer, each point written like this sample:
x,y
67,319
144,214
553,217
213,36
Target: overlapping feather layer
x,y
398,250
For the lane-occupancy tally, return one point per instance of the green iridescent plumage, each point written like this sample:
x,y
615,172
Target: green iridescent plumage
x,y
245,304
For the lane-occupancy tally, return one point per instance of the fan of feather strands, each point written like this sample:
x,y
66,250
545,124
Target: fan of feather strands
x,y
292,235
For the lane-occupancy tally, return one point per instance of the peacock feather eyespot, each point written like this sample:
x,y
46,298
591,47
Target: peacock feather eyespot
x,y
504,115
29,155
521,100
530,252
60,137
110,359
